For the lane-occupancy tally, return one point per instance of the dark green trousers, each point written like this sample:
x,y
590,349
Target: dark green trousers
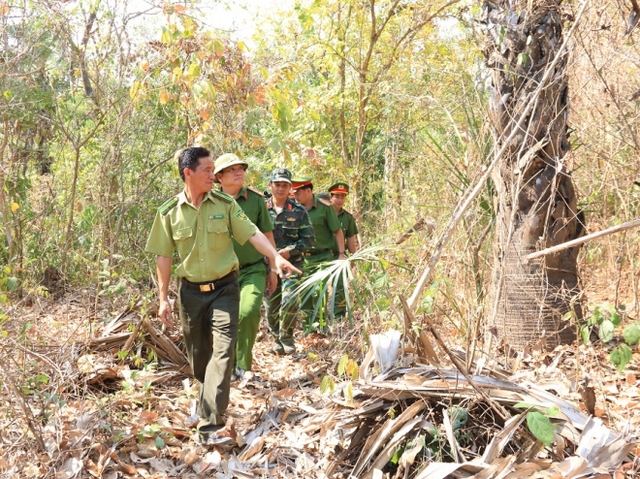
x,y
311,265
339,299
210,327
252,283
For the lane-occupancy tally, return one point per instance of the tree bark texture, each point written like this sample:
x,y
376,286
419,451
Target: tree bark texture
x,y
536,200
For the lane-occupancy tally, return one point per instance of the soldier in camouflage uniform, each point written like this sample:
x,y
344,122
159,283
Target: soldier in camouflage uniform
x,y
293,236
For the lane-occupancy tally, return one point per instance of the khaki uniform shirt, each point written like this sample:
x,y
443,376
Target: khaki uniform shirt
x,y
349,228
325,223
201,236
254,206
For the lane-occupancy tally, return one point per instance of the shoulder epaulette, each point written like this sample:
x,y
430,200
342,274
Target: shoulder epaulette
x,y
347,212
256,191
324,202
223,196
168,205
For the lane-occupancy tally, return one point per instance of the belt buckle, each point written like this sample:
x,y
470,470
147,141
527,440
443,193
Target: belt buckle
x,y
205,288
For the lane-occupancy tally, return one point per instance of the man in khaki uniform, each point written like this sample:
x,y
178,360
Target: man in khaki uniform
x,y
200,223
254,277
327,230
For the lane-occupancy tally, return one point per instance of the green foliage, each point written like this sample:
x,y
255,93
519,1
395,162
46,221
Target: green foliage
x,y
327,385
606,318
348,367
620,356
631,334
370,286
541,427
538,421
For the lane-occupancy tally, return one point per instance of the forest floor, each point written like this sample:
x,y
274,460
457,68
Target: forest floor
x,y
74,407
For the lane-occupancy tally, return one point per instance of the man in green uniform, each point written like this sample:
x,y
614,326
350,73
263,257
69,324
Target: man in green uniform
x,y
229,171
327,230
199,223
339,192
293,236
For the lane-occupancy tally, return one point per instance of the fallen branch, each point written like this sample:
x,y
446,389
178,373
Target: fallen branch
x,y
418,226
461,367
569,244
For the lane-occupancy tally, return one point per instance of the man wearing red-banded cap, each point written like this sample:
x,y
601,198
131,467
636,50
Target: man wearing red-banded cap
x,y
339,192
327,231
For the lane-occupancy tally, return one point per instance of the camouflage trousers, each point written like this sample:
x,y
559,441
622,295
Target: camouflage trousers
x,y
282,308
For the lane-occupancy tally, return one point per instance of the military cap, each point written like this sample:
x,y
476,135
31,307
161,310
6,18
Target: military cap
x,y
227,160
339,187
301,181
281,174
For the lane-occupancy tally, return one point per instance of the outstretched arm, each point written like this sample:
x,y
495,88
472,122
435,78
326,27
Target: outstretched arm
x,y
278,264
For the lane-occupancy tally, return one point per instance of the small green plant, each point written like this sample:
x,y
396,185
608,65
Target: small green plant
x,y
152,430
369,282
347,369
606,318
539,423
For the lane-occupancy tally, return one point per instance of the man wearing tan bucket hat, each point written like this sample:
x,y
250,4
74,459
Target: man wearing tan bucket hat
x,y
255,276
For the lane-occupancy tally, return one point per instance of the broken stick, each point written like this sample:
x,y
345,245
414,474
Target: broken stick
x,y
569,244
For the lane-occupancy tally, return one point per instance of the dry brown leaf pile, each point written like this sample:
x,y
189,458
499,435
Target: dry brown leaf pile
x,y
100,414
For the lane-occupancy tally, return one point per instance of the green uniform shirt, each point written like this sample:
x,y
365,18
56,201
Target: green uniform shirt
x,y
292,229
253,205
325,223
349,228
202,236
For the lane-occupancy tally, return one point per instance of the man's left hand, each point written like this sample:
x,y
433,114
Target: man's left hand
x,y
272,283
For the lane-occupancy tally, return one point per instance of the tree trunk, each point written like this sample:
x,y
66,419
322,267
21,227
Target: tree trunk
x,y
536,200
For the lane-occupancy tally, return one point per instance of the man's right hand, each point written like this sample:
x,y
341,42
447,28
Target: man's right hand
x,y
164,313
284,253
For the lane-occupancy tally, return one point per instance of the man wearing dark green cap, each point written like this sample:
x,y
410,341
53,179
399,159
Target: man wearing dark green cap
x,y
293,236
199,223
327,230
229,171
339,192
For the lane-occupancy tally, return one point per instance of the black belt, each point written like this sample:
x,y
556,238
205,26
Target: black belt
x,y
315,252
251,264
211,285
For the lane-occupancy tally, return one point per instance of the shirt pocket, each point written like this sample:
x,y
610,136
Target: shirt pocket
x,y
182,234
289,232
218,234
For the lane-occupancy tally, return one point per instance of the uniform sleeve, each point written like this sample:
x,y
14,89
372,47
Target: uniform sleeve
x,y
352,228
332,219
306,235
160,241
241,227
264,222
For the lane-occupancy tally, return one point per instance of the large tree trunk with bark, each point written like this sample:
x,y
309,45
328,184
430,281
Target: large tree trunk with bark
x,y
536,200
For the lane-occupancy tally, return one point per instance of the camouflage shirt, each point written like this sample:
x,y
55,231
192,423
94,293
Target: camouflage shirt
x,y
293,230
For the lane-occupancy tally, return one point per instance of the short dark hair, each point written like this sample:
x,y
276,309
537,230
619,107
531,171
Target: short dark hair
x,y
190,158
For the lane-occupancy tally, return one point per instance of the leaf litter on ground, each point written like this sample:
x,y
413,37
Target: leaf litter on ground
x,y
104,414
